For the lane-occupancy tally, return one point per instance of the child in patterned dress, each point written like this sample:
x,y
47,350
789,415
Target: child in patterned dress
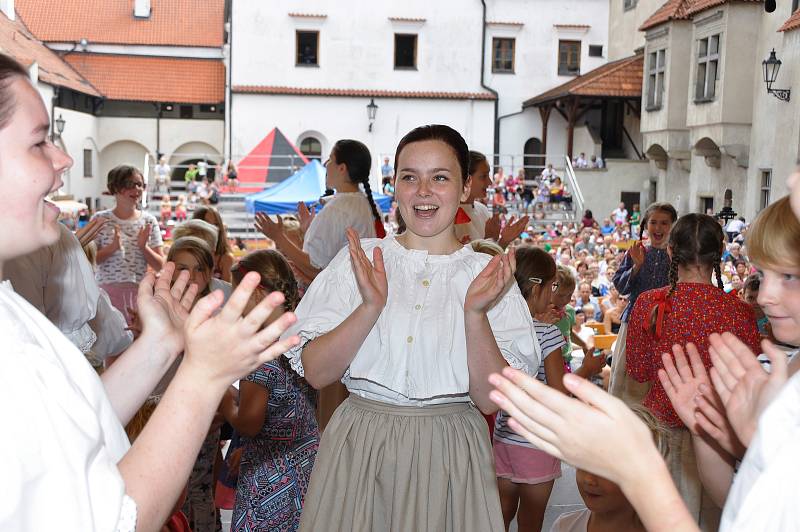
x,y
275,416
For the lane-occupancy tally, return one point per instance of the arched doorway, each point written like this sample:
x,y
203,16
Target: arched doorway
x,y
532,158
192,153
311,147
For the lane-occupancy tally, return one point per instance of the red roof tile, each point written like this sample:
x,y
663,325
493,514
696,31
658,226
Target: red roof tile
x,y
620,79
406,19
17,41
575,26
672,10
792,23
503,23
171,22
682,10
701,5
153,79
363,93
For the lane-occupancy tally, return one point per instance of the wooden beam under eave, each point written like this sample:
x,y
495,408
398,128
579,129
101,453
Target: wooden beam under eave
x,y
572,117
544,114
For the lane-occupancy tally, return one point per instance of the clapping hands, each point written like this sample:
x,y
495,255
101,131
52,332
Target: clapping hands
x,y
490,285
370,276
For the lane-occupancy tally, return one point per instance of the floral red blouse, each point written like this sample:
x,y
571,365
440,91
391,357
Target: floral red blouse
x,y
693,312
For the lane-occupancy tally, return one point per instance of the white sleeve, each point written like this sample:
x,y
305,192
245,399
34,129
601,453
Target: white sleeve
x,y
155,239
332,297
325,237
514,332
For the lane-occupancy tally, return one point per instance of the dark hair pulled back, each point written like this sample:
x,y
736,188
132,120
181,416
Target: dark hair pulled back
x,y
442,133
695,240
356,157
276,274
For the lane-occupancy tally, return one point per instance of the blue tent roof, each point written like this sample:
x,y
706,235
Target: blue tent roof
x,y
306,185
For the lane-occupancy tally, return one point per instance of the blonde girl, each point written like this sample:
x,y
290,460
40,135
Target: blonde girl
x,y
223,252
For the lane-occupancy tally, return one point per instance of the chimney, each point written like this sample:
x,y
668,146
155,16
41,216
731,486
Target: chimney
x,y
141,8
7,7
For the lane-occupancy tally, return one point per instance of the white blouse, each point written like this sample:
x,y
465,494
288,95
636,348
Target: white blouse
x,y
764,495
63,440
59,281
326,234
417,351
479,214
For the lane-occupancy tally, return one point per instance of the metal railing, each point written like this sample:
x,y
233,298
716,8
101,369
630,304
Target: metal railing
x,y
577,195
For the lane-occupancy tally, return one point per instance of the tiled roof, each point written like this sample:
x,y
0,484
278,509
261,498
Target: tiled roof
x,y
620,79
17,41
701,5
682,10
153,79
503,23
171,22
363,93
792,23
672,10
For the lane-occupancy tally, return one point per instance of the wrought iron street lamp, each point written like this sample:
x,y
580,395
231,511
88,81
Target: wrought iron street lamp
x,y
772,66
372,110
59,123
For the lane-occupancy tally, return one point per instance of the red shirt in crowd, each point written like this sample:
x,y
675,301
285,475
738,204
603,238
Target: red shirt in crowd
x,y
693,312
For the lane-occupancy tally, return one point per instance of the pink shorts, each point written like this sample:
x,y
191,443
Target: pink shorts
x,y
524,465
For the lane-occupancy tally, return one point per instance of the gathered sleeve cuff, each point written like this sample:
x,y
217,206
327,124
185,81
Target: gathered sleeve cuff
x,y
331,298
514,332
623,275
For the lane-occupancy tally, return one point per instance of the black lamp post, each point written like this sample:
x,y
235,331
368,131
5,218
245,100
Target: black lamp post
x,y
372,110
772,66
59,123
727,213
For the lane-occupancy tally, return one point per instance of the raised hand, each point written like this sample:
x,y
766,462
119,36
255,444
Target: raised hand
x,y
637,253
512,230
270,229
117,240
681,380
567,428
370,276
742,384
144,235
305,216
163,307
223,347
490,285
89,232
493,226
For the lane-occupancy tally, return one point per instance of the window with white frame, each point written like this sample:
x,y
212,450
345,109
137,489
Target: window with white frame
x,y
656,62
766,187
707,68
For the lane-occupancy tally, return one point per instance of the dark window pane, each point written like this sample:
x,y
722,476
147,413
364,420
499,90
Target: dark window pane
x,y
187,111
87,163
711,78
595,50
307,46
405,51
569,58
503,55
701,79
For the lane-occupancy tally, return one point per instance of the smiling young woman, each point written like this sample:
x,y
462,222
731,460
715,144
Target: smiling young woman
x,y
69,465
413,334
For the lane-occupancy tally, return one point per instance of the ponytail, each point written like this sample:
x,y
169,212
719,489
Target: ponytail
x,y
718,274
380,231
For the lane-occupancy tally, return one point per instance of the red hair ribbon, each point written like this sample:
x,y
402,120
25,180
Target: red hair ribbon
x,y
380,231
462,217
662,307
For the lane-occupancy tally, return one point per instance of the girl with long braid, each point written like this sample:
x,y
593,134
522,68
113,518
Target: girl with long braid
x,y
347,172
689,309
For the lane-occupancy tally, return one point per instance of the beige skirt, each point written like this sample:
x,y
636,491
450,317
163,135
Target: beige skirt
x,y
621,384
682,465
385,468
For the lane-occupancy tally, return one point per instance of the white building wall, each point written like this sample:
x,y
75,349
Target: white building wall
x,y
448,60
536,61
336,118
602,189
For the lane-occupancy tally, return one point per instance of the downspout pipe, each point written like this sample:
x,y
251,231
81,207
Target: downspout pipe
x,y
496,149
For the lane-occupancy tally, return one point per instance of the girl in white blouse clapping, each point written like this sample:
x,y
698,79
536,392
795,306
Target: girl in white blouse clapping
x,y
413,334
347,171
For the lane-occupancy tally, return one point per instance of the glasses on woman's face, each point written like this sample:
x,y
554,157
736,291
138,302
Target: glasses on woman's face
x,y
539,281
134,184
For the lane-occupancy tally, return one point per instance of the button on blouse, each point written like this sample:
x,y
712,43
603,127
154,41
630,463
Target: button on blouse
x,y
417,351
